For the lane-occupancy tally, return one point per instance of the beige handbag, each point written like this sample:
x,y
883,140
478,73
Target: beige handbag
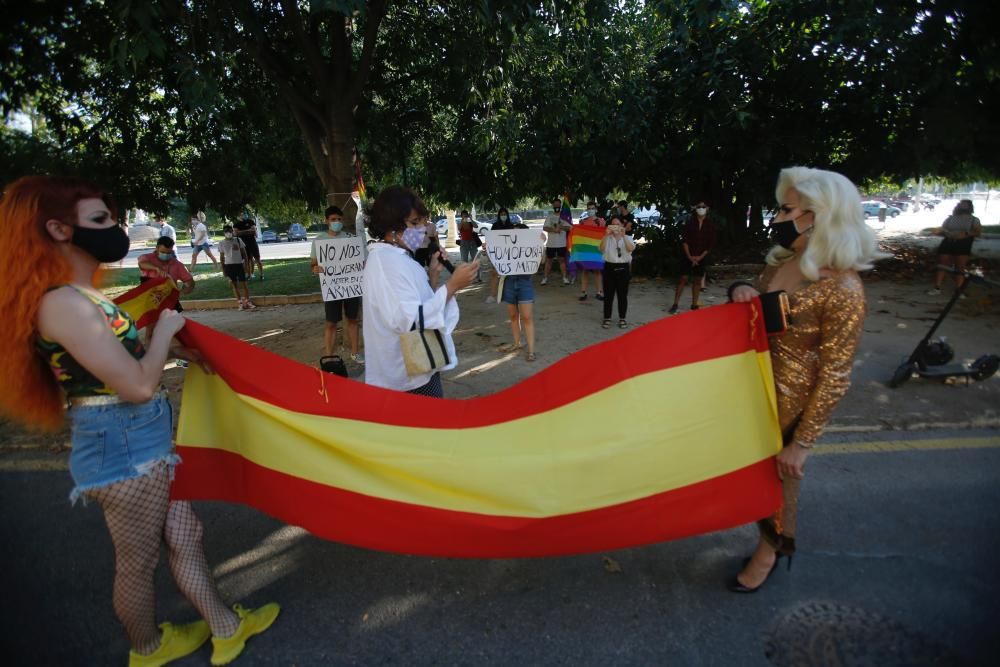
x,y
423,349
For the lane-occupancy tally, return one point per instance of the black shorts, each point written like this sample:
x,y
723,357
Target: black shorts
x,y
689,269
957,247
555,252
335,311
235,272
253,250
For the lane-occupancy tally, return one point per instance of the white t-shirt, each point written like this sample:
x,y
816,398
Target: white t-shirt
x,y
615,250
168,230
200,234
555,235
231,250
395,287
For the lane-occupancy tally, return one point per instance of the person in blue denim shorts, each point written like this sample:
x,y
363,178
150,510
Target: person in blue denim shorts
x,y
121,421
519,295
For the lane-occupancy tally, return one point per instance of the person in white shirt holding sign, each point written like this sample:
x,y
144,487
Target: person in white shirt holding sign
x,y
396,288
344,308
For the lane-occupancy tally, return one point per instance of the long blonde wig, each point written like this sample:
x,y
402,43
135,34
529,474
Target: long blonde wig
x,y
840,239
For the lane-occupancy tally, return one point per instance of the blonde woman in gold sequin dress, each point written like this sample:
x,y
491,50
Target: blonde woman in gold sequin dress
x,y
823,242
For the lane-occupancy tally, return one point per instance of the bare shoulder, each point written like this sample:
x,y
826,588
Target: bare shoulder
x,y
63,310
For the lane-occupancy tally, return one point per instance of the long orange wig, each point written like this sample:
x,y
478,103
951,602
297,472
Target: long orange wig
x,y
31,264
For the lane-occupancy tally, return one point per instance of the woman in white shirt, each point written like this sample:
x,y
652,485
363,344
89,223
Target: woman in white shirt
x,y
616,247
396,287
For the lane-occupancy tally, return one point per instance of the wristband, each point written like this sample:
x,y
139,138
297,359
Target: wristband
x,y
804,445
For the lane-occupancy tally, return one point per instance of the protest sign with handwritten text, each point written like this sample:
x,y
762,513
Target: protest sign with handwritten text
x,y
515,252
342,262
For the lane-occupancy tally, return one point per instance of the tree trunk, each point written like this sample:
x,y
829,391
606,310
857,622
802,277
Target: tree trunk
x,y
331,147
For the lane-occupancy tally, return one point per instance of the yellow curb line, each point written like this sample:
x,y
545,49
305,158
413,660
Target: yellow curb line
x,y
880,446
830,449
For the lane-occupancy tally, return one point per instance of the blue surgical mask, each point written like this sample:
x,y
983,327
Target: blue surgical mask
x,y
164,256
336,226
504,217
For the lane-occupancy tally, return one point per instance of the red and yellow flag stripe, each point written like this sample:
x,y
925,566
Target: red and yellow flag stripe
x,y
662,433
145,302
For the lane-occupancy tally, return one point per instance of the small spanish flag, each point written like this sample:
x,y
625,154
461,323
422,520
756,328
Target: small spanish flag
x,y
145,302
666,432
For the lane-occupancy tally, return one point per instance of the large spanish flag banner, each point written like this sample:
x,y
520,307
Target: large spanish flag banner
x,y
145,302
665,432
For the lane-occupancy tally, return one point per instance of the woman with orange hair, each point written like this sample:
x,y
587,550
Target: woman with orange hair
x,y
74,351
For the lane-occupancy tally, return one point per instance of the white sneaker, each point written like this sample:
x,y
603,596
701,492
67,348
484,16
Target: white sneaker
x,y
963,296
934,292
491,299
545,281
358,358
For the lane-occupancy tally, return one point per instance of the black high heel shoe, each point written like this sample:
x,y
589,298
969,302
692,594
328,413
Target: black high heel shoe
x,y
735,586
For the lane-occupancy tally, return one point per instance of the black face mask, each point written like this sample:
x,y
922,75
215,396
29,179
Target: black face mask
x,y
784,233
108,244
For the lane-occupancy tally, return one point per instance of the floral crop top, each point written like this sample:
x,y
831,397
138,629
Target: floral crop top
x,y
76,380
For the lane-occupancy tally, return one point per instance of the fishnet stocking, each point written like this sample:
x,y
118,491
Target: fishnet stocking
x,y
186,555
135,511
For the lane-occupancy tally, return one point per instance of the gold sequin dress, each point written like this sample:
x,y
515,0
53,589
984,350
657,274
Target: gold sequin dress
x,y
812,364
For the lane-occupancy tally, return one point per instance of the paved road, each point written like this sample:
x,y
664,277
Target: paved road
x,y
897,565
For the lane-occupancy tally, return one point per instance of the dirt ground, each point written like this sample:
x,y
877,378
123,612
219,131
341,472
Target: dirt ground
x,y
899,313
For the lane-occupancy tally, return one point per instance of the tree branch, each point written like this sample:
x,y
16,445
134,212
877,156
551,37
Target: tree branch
x,y
310,48
277,67
376,12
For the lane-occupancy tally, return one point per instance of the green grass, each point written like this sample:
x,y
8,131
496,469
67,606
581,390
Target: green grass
x,y
281,276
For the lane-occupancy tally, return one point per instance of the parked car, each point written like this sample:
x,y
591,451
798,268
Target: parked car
x,y
477,226
871,209
297,232
269,236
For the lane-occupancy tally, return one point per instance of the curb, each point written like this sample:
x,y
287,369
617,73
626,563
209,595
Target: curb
x,y
271,300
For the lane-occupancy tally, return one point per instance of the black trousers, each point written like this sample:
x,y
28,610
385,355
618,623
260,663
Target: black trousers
x,y
616,279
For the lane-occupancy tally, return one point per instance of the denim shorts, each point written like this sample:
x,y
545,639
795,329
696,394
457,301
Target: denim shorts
x,y
202,246
518,289
119,441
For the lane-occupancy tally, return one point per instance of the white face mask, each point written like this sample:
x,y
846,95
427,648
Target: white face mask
x,y
701,210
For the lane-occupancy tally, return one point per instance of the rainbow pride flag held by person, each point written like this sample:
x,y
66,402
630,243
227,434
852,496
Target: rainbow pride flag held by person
x,y
145,302
585,247
565,214
664,442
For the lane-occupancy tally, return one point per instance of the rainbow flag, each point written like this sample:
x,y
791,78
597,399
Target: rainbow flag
x,y
565,214
585,247
145,302
666,441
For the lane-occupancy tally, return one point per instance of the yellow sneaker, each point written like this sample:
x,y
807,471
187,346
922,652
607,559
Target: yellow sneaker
x,y
227,649
176,642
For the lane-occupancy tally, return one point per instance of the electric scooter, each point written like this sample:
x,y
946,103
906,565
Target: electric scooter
x,y
931,357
